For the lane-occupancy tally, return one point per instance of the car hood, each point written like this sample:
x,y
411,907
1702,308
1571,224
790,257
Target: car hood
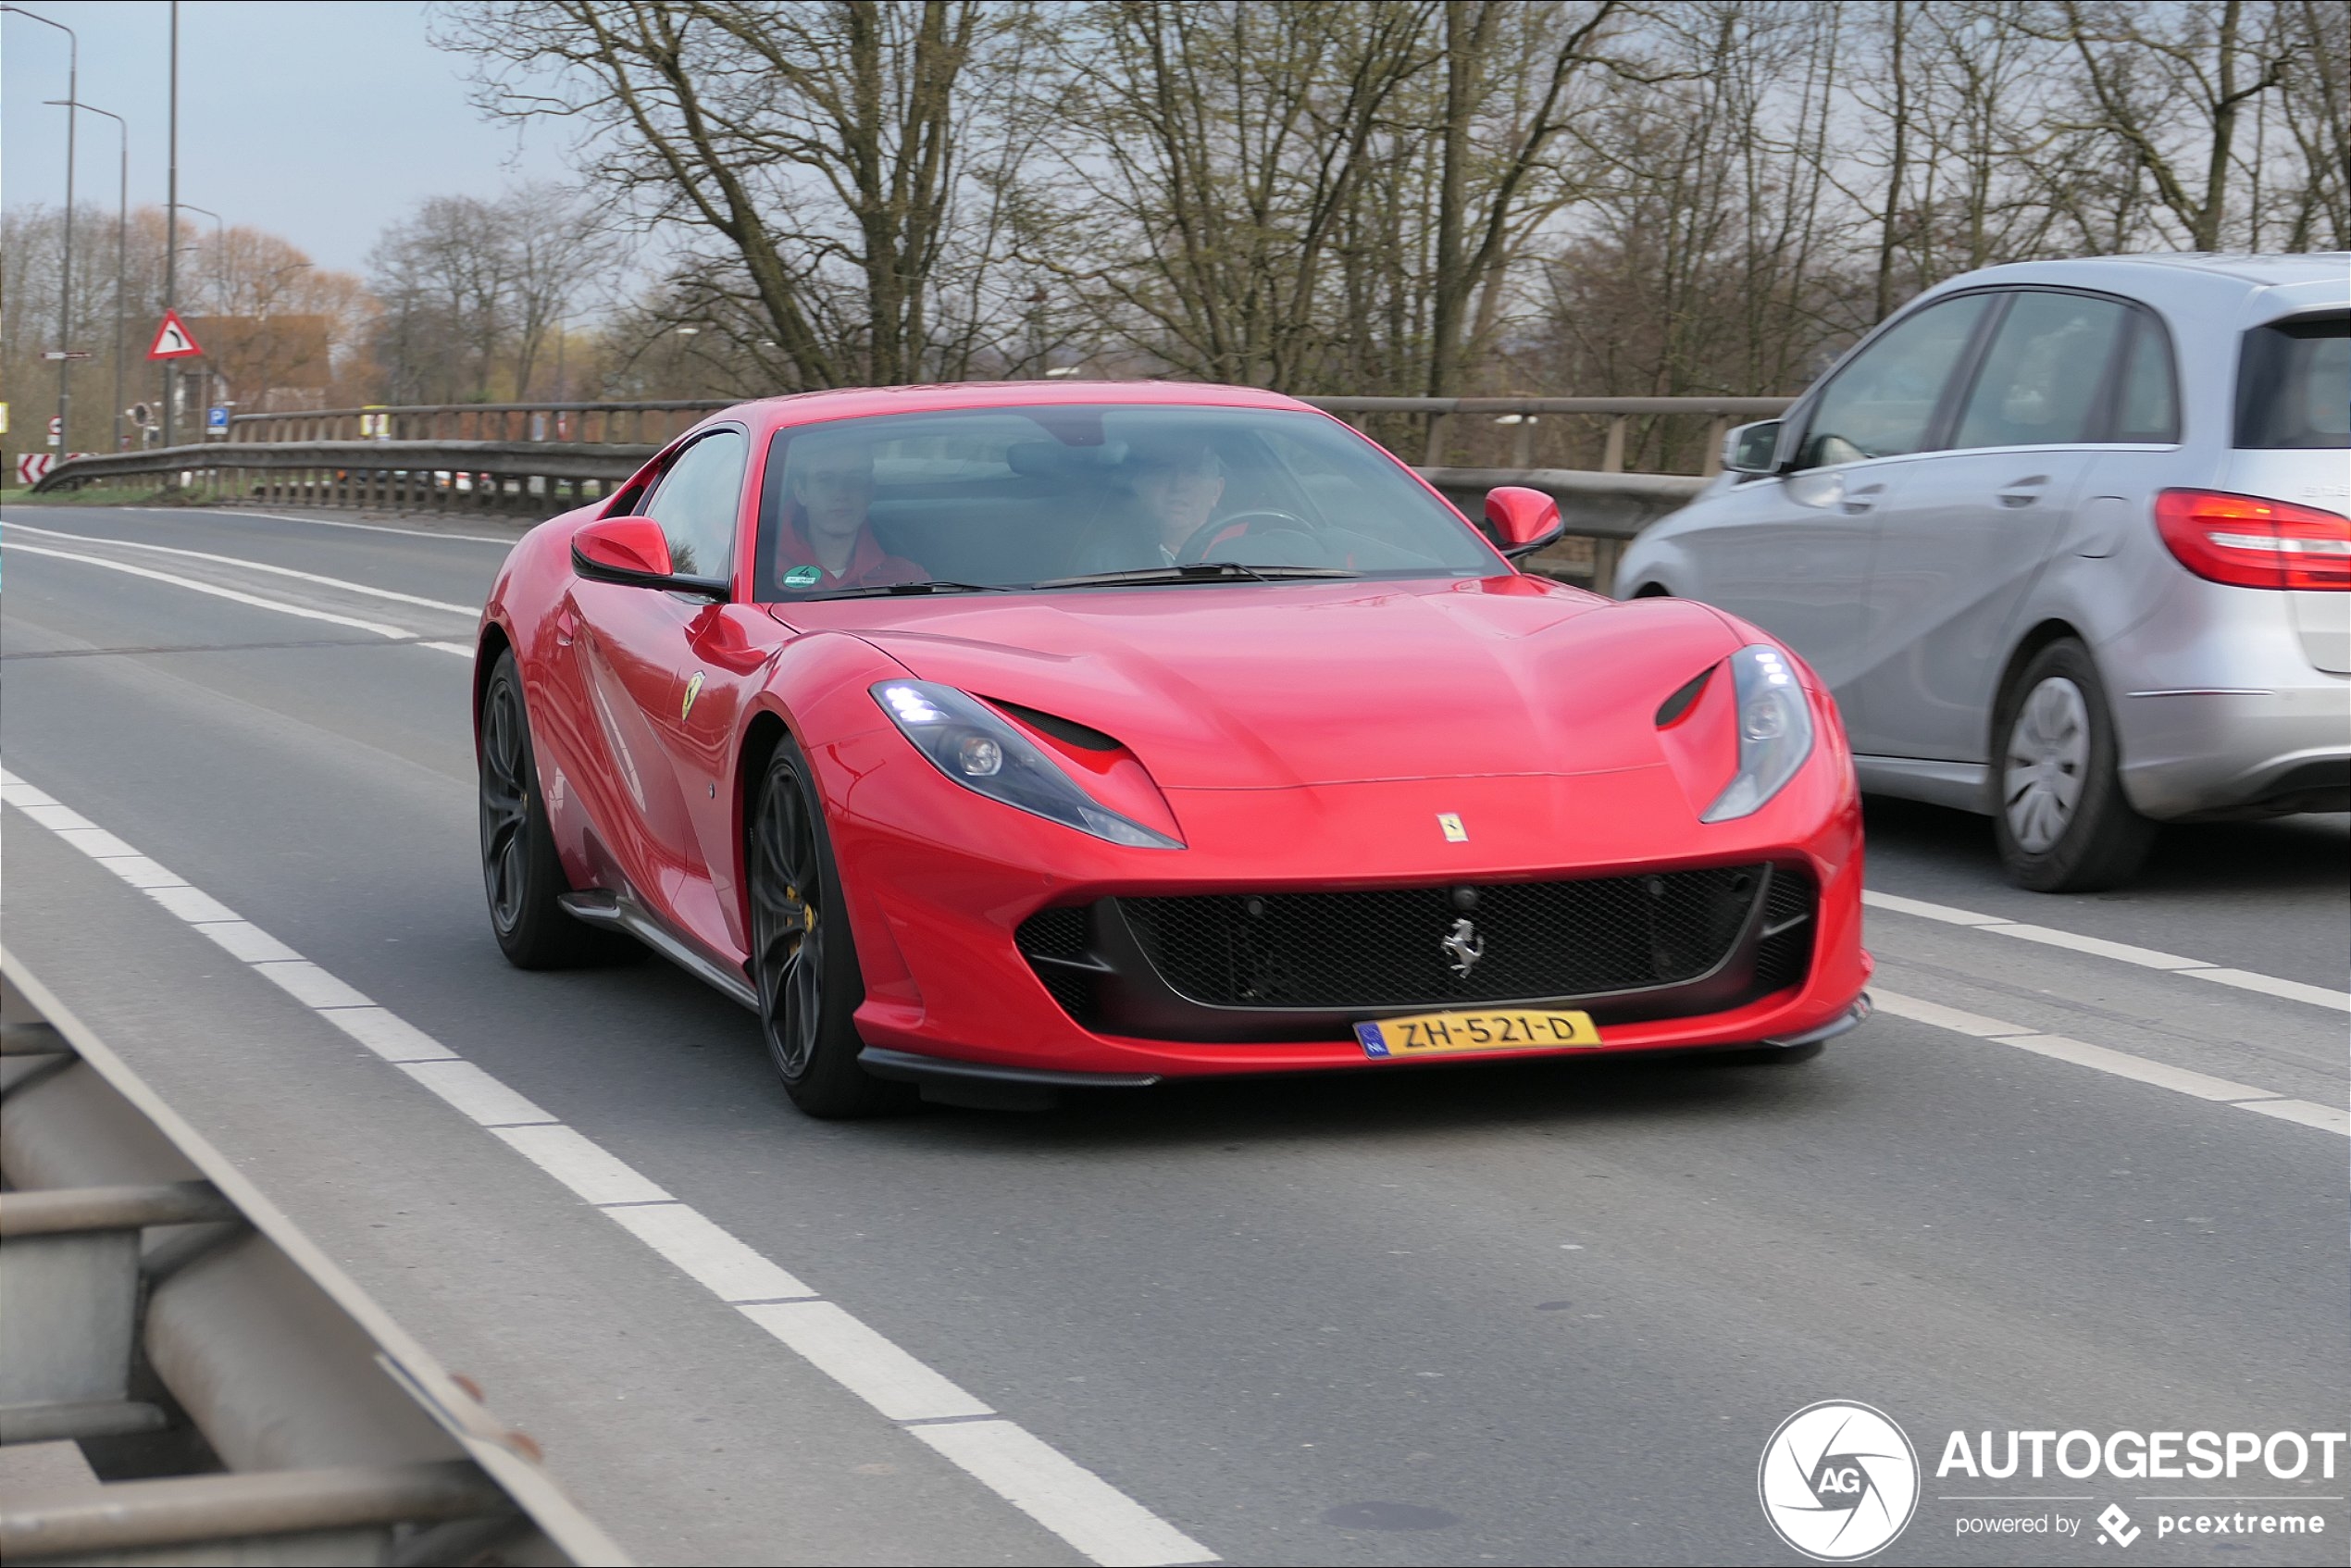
x,y
1247,686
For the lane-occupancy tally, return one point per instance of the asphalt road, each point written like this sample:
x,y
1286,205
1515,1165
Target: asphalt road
x,y
1506,1314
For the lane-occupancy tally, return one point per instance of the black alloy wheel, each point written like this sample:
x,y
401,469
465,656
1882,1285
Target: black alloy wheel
x,y
520,871
803,959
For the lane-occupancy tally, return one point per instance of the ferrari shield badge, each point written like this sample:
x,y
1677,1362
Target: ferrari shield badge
x,y
1451,823
693,689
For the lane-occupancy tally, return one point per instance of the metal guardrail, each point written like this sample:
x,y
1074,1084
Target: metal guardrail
x,y
234,1397
325,458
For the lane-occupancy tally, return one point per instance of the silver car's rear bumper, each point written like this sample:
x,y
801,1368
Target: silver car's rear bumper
x,y
2242,752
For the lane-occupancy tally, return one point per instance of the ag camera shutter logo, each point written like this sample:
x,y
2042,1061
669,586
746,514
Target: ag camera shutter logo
x,y
1838,1481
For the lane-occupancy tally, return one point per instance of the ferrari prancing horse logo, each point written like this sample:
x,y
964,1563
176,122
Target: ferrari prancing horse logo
x,y
693,689
1464,946
1451,823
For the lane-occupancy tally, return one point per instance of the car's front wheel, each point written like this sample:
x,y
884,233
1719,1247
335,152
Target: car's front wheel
x,y
2063,823
802,956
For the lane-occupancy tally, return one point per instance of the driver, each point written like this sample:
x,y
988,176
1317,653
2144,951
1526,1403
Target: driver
x,y
831,477
1177,484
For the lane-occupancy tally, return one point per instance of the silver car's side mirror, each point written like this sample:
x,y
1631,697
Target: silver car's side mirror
x,y
1749,449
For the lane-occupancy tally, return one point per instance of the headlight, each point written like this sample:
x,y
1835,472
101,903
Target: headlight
x,y
1775,730
972,744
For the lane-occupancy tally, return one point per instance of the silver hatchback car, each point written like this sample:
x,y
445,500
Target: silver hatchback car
x,y
2068,540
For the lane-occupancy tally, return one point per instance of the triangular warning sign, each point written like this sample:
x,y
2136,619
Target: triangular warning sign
x,y
173,341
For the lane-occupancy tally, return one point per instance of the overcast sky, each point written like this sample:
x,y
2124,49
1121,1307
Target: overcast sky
x,y
320,120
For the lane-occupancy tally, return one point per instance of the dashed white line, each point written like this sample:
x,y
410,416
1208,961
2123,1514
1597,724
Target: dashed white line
x,y
475,1094
706,1254
864,1362
334,523
1094,1517
349,587
2119,1063
254,600
2123,953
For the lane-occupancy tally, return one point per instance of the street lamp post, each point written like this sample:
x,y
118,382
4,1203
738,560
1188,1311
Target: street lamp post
x,y
171,226
121,237
65,268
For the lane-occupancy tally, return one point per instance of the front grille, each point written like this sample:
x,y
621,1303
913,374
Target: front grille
x,y
1386,948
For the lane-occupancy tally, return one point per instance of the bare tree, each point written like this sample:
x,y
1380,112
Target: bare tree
x,y
816,141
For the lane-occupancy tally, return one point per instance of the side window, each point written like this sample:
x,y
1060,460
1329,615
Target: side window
x,y
697,503
2041,379
1884,403
2148,405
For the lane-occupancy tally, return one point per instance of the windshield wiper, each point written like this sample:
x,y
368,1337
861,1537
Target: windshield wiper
x,y
1197,571
929,585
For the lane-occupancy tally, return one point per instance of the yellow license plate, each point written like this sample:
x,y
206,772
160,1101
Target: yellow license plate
x,y
1443,1034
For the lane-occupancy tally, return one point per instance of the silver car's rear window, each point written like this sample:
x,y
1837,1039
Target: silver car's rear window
x,y
2293,386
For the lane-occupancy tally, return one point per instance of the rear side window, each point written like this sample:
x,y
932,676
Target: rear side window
x,y
2041,382
2293,386
2146,403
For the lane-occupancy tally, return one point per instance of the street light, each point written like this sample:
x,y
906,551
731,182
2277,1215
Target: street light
x,y
65,268
121,234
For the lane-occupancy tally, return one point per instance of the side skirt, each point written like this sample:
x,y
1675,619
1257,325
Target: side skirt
x,y
621,913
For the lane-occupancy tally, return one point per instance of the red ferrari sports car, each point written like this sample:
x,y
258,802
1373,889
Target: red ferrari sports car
x,y
995,739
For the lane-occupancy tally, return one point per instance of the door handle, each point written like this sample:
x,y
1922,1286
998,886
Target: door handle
x,y
1859,503
567,624
2024,492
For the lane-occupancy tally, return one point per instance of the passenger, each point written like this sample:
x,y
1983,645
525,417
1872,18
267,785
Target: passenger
x,y
825,541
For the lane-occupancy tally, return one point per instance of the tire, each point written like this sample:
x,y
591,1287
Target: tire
x,y
521,874
803,959
2061,821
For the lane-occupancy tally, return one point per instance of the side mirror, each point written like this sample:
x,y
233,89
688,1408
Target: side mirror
x,y
634,553
1750,449
1522,520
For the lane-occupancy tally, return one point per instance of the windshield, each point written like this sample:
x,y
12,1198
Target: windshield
x,y
2293,386
1019,498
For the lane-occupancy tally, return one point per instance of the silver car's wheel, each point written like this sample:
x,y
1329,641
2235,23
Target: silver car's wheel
x,y
2062,821
2049,752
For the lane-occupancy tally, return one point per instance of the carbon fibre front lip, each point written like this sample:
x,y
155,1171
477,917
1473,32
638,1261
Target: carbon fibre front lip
x,y
1850,1018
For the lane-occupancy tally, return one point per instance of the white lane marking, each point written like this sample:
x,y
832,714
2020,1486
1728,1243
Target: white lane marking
x,y
2123,1065
2328,1118
2124,952
708,1254
457,648
583,1166
191,905
2269,984
863,1362
255,599
2120,1064
386,1033
1076,1504
475,1093
243,939
331,523
1072,1502
312,986
466,610
95,843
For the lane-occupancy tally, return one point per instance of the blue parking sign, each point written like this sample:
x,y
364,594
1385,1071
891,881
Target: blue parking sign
x,y
216,419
